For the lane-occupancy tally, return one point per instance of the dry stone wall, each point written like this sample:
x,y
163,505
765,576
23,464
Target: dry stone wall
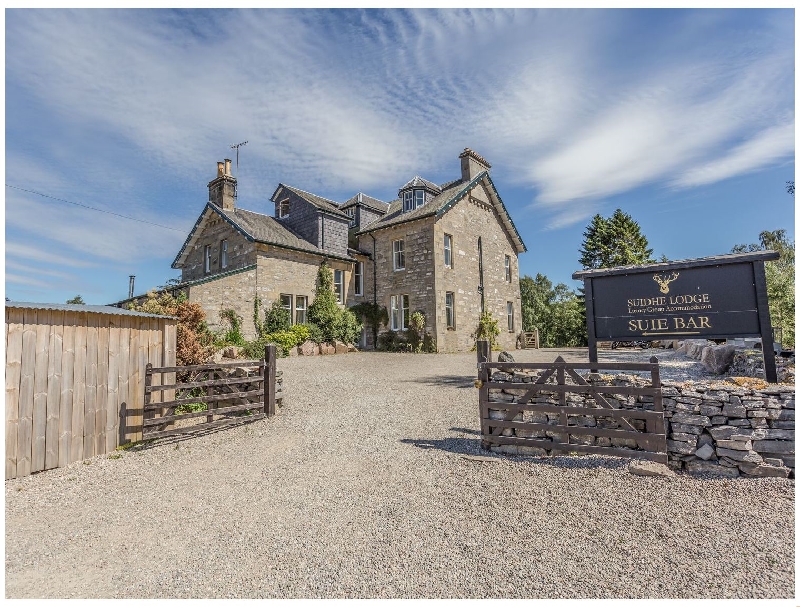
x,y
712,427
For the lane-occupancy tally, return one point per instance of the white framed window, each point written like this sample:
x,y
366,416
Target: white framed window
x,y
450,310
286,304
282,207
338,285
398,306
300,307
448,251
508,268
223,254
207,259
510,315
352,213
408,201
419,198
398,254
358,282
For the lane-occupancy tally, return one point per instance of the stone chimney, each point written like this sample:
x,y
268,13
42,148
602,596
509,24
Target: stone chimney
x,y
222,191
472,164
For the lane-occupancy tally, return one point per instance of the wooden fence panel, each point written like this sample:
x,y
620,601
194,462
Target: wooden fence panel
x,y
79,386
90,405
40,391
124,396
135,376
103,335
169,361
26,390
112,404
55,351
67,393
14,330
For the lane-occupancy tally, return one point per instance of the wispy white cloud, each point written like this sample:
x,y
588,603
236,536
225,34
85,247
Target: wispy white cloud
x,y
766,147
122,109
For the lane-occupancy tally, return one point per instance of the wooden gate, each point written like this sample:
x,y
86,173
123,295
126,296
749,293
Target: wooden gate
x,y
222,393
534,405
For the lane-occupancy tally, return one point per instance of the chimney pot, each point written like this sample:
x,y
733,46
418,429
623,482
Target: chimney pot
x,y
227,166
220,169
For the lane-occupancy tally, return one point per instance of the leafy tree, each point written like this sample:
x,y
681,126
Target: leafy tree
x,y
193,340
334,322
780,279
373,315
324,310
790,187
558,312
488,328
616,241
76,300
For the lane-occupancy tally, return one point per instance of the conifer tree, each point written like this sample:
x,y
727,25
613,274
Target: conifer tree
x,y
616,241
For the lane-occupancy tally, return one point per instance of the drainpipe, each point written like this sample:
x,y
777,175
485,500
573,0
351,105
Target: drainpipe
x,y
480,274
374,272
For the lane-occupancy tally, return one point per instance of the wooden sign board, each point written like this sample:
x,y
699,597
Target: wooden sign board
x,y
713,297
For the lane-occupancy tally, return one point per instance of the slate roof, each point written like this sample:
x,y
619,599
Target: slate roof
x,y
31,305
451,193
324,204
367,201
418,182
256,227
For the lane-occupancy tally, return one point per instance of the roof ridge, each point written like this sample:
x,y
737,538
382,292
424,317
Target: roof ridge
x,y
291,187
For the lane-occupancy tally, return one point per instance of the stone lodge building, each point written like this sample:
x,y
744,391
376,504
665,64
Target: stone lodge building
x,y
447,250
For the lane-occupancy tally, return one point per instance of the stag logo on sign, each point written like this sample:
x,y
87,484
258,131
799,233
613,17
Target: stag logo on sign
x,y
663,280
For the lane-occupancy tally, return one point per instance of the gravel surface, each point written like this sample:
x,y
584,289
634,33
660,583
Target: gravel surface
x,y
366,484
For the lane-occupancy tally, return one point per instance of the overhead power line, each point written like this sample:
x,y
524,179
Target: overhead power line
x,y
86,206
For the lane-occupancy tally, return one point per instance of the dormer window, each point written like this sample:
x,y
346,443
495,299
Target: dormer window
x,y
413,199
282,208
351,212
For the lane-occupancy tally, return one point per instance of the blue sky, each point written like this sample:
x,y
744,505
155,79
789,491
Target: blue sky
x,y
682,118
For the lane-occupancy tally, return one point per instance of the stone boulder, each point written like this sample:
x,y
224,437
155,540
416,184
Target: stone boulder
x,y
340,347
308,348
231,352
505,357
717,359
645,468
327,348
694,347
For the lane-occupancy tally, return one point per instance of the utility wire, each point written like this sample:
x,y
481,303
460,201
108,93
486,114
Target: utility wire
x,y
85,206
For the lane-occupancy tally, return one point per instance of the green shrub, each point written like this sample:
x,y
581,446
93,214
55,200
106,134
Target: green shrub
x,y
233,336
487,329
393,341
254,350
276,318
315,333
301,332
333,322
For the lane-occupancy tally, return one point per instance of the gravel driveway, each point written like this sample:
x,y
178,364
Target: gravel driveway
x,y
363,485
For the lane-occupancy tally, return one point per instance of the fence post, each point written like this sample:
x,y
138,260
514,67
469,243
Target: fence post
x,y
484,348
270,355
484,351
148,383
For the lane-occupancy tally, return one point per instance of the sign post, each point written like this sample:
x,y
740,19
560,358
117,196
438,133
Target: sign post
x,y
712,297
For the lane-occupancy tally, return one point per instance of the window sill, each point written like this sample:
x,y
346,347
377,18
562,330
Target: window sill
x,y
451,328
399,269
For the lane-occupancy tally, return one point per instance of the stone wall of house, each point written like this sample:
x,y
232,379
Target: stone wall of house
x,y
470,218
717,428
283,271
234,292
417,279
241,252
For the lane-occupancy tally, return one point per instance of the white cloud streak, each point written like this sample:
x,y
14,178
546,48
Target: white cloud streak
x,y
336,102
